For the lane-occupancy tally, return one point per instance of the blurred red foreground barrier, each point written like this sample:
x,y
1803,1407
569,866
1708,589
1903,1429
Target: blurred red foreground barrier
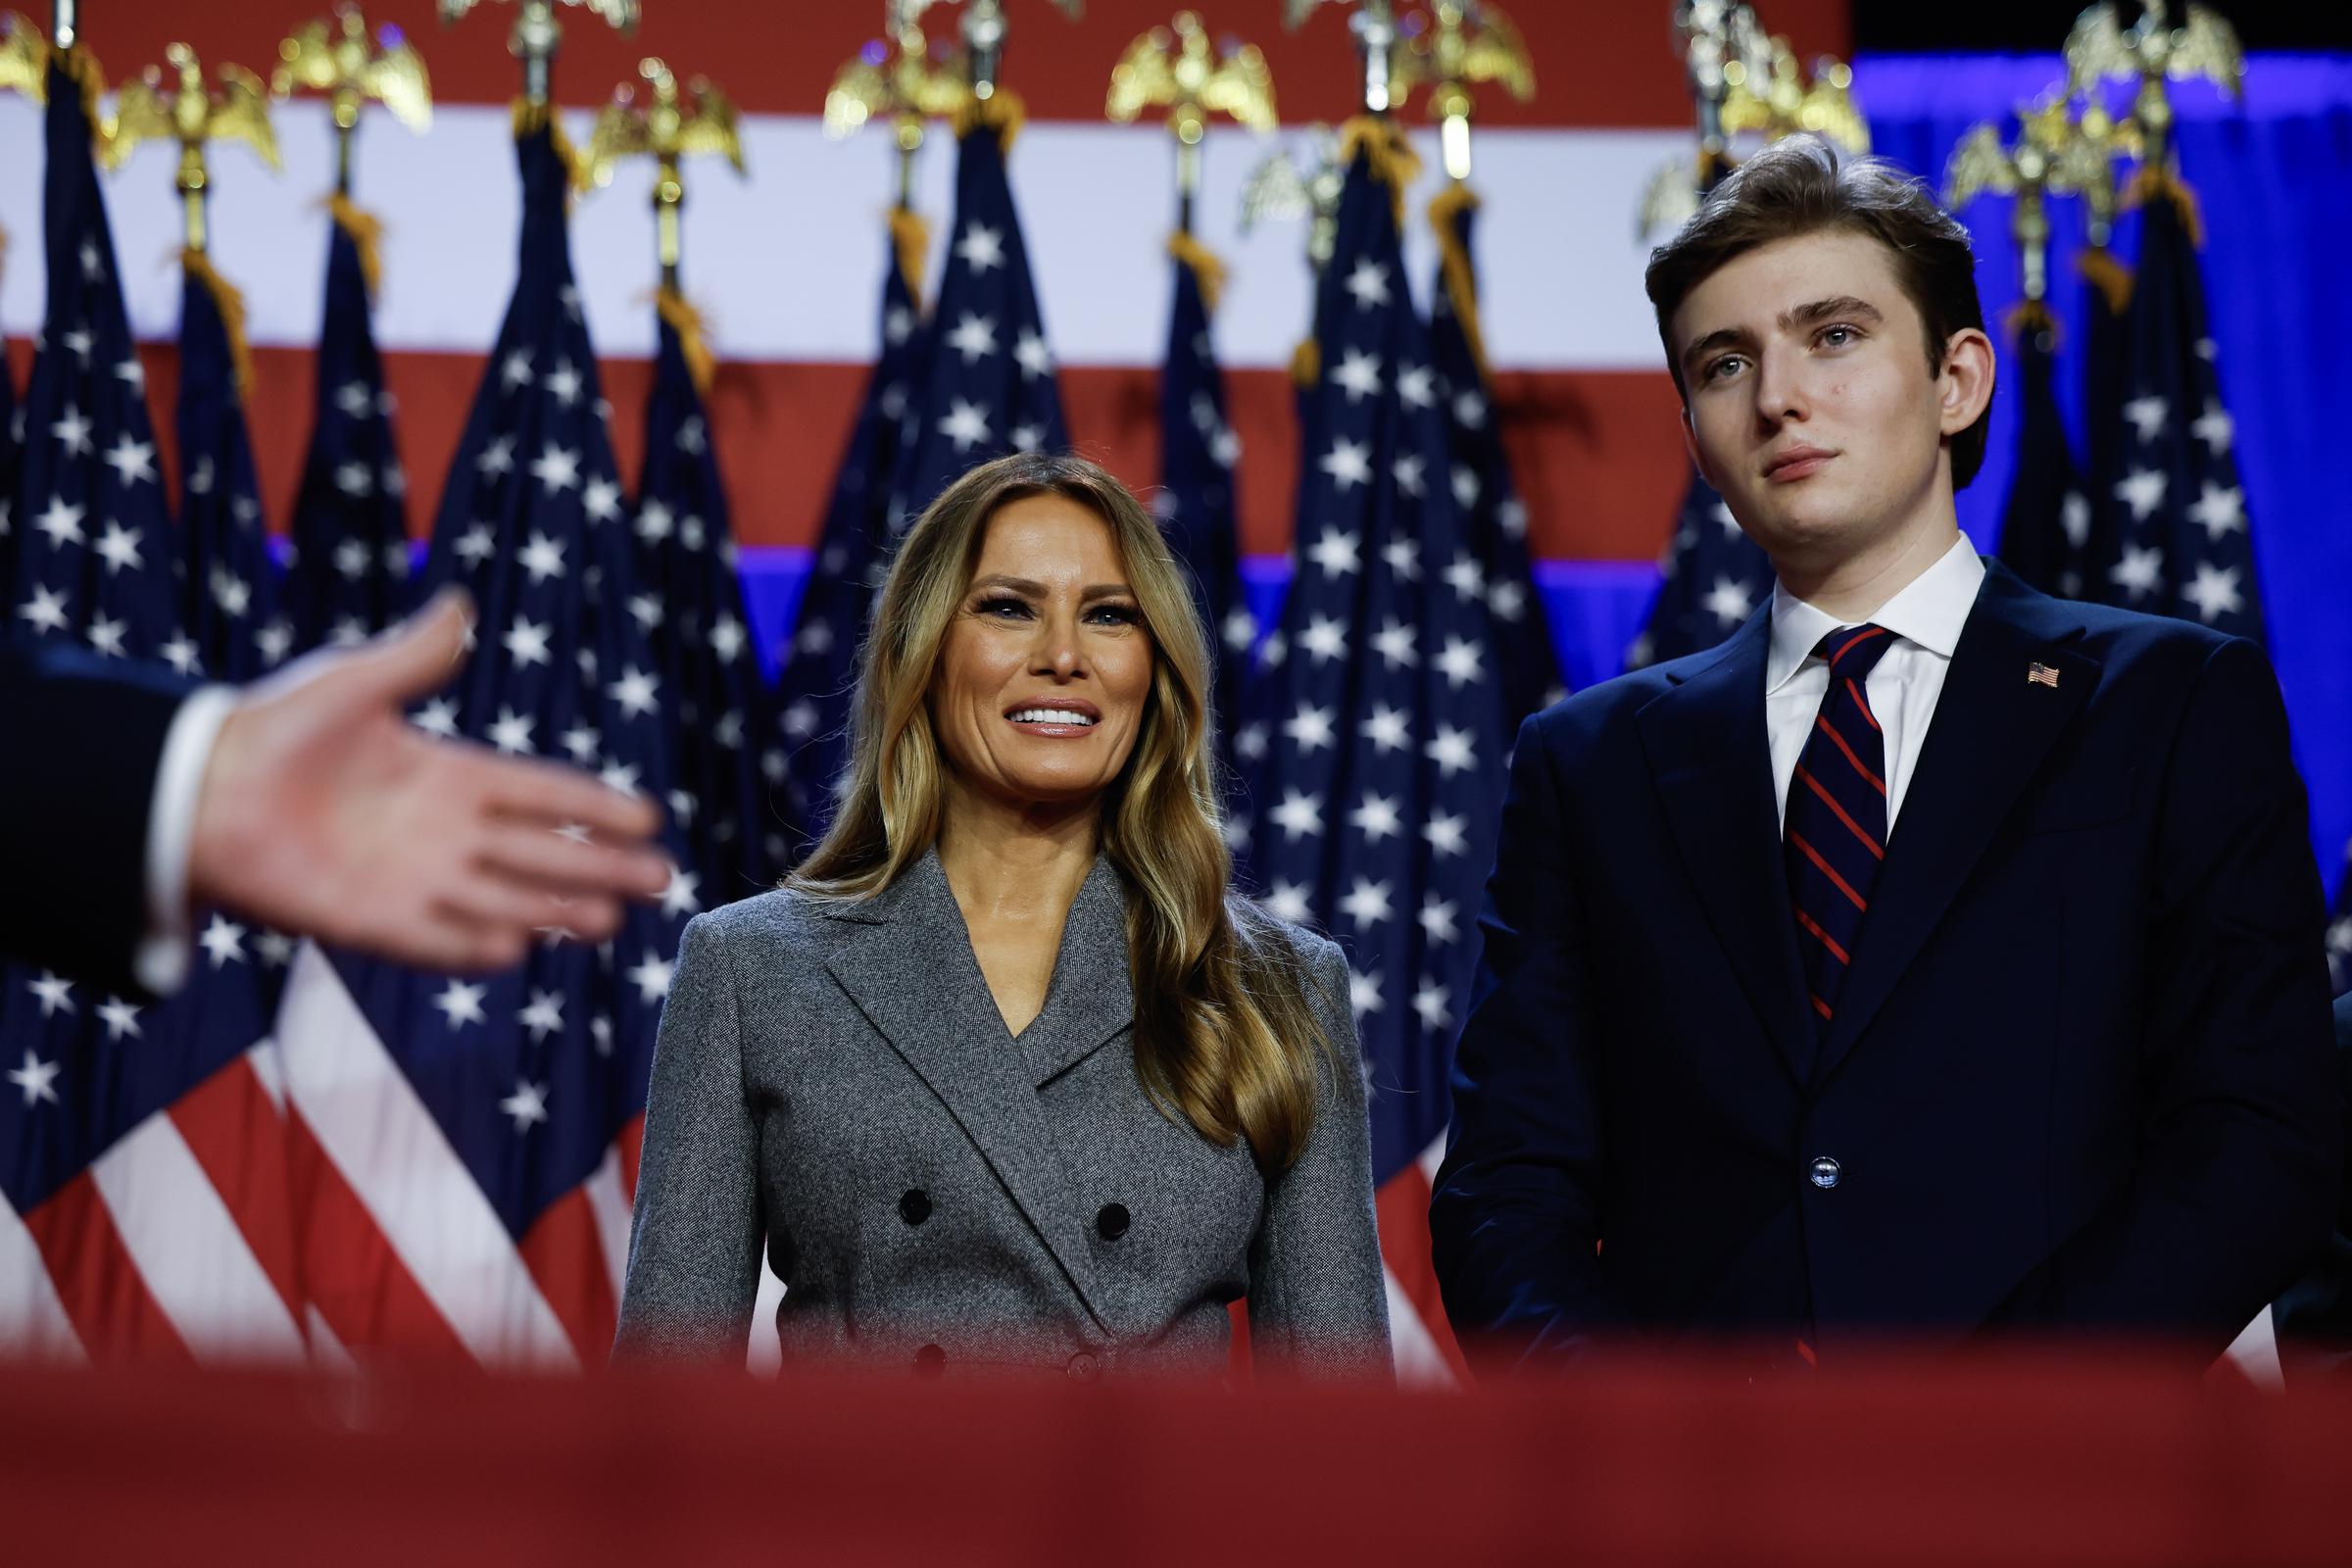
x,y
2030,1460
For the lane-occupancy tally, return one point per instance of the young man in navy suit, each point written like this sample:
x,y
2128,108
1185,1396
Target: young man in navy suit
x,y
1933,957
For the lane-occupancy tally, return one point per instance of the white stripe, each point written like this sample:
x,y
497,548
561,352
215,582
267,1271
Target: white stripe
x,y
270,1072
763,1356
327,1353
33,1320
608,1206
367,1116
1430,1158
1419,1364
2255,1351
188,1250
788,260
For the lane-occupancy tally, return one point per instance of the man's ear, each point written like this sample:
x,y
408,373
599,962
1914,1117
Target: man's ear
x,y
1964,386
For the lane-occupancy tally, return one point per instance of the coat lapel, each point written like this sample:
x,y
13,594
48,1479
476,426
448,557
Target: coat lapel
x,y
1712,766
910,969
1092,996
1992,731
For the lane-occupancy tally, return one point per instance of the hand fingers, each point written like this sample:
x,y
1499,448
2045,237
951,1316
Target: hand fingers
x,y
439,937
550,793
562,864
417,657
495,904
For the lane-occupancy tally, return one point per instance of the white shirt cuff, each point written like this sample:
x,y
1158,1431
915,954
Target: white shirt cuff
x,y
161,962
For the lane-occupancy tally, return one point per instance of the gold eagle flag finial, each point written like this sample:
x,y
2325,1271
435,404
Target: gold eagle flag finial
x,y
895,75
2153,51
176,105
24,58
337,56
1178,66
669,126
2046,159
537,34
1471,43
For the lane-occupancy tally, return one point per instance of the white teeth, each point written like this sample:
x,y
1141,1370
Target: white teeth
x,y
1049,716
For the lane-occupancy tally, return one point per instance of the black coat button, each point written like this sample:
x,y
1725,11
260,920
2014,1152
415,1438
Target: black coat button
x,y
914,1205
930,1361
1110,1223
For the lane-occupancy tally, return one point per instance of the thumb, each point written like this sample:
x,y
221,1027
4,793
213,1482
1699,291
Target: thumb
x,y
417,657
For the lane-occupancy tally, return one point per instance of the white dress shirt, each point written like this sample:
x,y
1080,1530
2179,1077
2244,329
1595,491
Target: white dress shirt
x,y
1925,620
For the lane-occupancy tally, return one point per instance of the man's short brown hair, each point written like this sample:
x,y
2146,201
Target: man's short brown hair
x,y
1803,185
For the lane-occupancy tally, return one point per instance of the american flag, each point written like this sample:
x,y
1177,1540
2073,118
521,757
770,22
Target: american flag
x,y
1713,578
2045,519
1378,729
229,586
810,744
141,1150
1195,501
348,573
2169,529
1493,519
11,455
468,1146
990,387
689,603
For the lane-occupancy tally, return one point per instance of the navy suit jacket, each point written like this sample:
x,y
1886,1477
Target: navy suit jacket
x,y
2081,1073
80,738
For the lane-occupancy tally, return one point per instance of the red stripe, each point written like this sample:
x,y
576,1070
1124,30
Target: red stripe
x,y
1401,1205
113,1313
1814,785
1822,937
567,1257
1875,782
238,1135
1821,1008
1595,452
1813,854
355,1280
779,59
1862,701
632,1152
1856,641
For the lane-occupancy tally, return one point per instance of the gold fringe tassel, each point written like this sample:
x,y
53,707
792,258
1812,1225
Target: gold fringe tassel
x,y
231,306
687,321
2151,185
1306,365
910,243
1454,262
1001,111
2109,276
1207,270
1395,164
2031,316
530,117
365,229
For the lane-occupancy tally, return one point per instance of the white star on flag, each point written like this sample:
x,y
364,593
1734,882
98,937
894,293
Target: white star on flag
x,y
2214,591
964,424
1386,728
462,1003
651,977
1310,728
1298,814
526,641
62,522
132,460
2218,510
52,992
981,248
527,1105
1369,284
2140,571
1730,602
2142,489
679,897
1367,903
106,635
45,610
558,469
974,337
1458,663
1034,357
120,548
119,1017
545,1015
634,692
223,942
1324,638
74,431
564,383
1453,751
1429,1003
2146,416
1376,817
1398,645
511,733
2215,428
1348,462
541,557
36,1078
1357,375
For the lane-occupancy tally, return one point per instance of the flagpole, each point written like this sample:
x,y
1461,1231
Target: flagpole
x,y
65,21
1179,66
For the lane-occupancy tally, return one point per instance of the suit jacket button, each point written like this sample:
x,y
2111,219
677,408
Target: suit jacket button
x,y
1111,1222
914,1205
930,1361
1084,1368
1823,1172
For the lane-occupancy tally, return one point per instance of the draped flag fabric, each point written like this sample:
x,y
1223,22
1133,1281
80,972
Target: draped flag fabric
x,y
142,1149
1714,578
2339,932
2046,520
2169,530
348,573
469,1146
1195,501
689,601
11,453
1493,519
988,387
1380,718
810,748
230,587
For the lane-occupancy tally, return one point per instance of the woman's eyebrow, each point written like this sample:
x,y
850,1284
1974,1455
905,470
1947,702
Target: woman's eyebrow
x,y
1019,585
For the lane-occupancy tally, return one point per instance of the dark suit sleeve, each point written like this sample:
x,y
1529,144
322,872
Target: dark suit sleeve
x,y
2242,1148
1515,1216
80,739
2313,1319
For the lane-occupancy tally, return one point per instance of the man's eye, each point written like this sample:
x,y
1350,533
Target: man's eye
x,y
1842,335
1718,370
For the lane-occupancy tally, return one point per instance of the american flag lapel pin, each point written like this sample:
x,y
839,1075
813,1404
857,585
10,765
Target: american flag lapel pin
x,y
2040,674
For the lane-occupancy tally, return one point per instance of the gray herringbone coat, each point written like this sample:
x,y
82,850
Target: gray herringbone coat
x,y
835,1082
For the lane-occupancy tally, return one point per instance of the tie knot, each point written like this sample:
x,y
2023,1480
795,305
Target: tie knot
x,y
1854,650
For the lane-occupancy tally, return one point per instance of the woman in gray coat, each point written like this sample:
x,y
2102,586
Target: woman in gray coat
x,y
1006,1076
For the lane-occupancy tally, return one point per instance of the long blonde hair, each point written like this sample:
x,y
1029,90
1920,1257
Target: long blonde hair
x,y
1224,1036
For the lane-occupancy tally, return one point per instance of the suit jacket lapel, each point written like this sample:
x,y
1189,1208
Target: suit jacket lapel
x,y
911,971
1092,996
1992,731
1712,764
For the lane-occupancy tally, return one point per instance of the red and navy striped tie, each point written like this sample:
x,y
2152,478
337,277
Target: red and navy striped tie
x,y
1835,830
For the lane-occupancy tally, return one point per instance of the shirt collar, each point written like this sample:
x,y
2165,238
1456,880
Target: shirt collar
x,y
1929,612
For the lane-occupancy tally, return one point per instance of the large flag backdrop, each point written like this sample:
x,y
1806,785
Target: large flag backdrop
x,y
1586,414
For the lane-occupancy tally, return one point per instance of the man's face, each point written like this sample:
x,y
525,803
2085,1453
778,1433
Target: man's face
x,y
1809,400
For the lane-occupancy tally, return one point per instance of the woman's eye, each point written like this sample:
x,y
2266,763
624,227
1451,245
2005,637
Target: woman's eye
x,y
1003,607
1116,615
